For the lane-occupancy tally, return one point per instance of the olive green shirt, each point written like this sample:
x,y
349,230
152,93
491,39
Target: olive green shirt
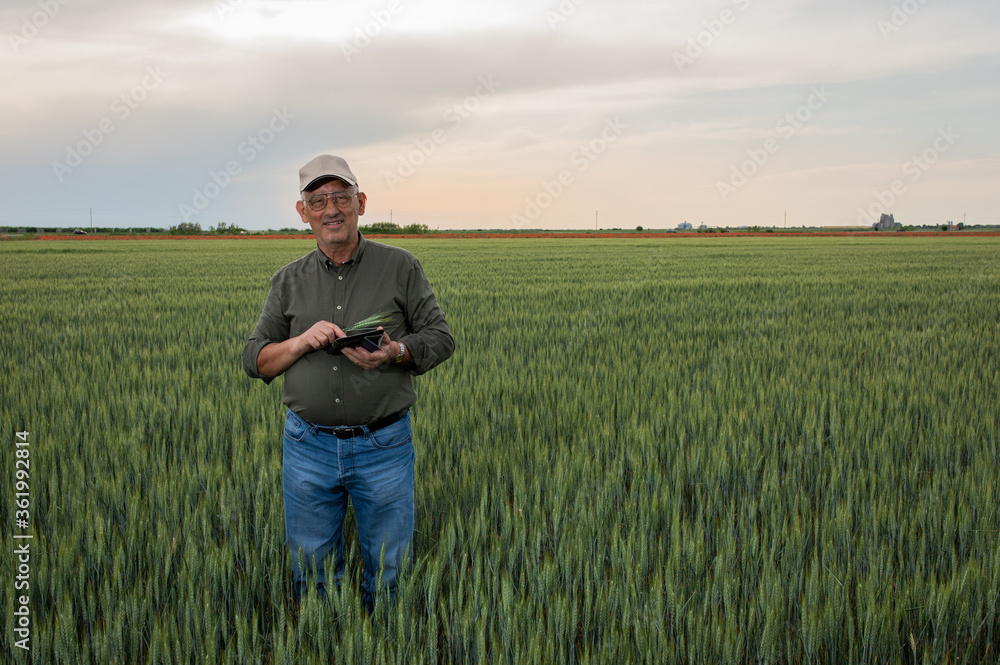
x,y
328,389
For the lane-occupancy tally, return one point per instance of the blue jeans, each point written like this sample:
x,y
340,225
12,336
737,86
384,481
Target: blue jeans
x,y
320,472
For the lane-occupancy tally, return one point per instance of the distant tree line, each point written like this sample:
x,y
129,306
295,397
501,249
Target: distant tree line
x,y
194,229
389,228
224,229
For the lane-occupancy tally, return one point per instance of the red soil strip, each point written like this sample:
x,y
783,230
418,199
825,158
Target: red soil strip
x,y
448,236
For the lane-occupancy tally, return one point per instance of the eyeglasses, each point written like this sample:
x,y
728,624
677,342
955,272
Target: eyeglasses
x,y
317,202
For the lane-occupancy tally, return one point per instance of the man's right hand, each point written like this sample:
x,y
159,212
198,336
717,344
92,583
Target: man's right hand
x,y
321,335
276,357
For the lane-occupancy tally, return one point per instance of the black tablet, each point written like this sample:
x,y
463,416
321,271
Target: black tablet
x,y
367,338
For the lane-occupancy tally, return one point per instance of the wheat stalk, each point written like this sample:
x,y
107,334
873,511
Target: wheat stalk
x,y
384,319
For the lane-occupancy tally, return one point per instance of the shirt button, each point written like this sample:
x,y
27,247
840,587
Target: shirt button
x,y
338,306
335,368
341,277
337,400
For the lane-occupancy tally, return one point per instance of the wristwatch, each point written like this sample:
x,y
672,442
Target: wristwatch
x,y
402,353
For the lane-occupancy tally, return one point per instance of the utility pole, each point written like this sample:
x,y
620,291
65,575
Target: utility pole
x,y
596,228
786,219
390,215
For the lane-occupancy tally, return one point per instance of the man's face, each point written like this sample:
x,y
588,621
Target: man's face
x,y
333,226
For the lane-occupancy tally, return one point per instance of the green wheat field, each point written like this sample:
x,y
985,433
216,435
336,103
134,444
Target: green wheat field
x,y
688,450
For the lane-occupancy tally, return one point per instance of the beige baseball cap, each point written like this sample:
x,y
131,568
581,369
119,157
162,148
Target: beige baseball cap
x,y
325,166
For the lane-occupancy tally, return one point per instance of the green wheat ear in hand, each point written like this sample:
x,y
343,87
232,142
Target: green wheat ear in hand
x,y
383,319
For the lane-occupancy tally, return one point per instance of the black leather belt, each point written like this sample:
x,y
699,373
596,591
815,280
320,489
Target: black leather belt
x,y
375,425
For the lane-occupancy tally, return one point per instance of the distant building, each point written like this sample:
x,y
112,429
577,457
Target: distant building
x,y
886,222
684,226
703,227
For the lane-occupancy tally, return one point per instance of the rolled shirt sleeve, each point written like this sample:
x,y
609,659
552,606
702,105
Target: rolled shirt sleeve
x,y
431,343
271,327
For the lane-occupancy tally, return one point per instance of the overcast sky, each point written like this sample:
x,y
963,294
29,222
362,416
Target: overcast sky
x,y
506,114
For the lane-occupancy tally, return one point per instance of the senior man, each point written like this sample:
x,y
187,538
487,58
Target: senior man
x,y
347,429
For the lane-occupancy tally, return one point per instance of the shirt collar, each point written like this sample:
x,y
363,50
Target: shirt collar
x,y
361,248
355,259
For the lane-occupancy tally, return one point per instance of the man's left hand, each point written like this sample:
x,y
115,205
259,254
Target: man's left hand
x,y
366,359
